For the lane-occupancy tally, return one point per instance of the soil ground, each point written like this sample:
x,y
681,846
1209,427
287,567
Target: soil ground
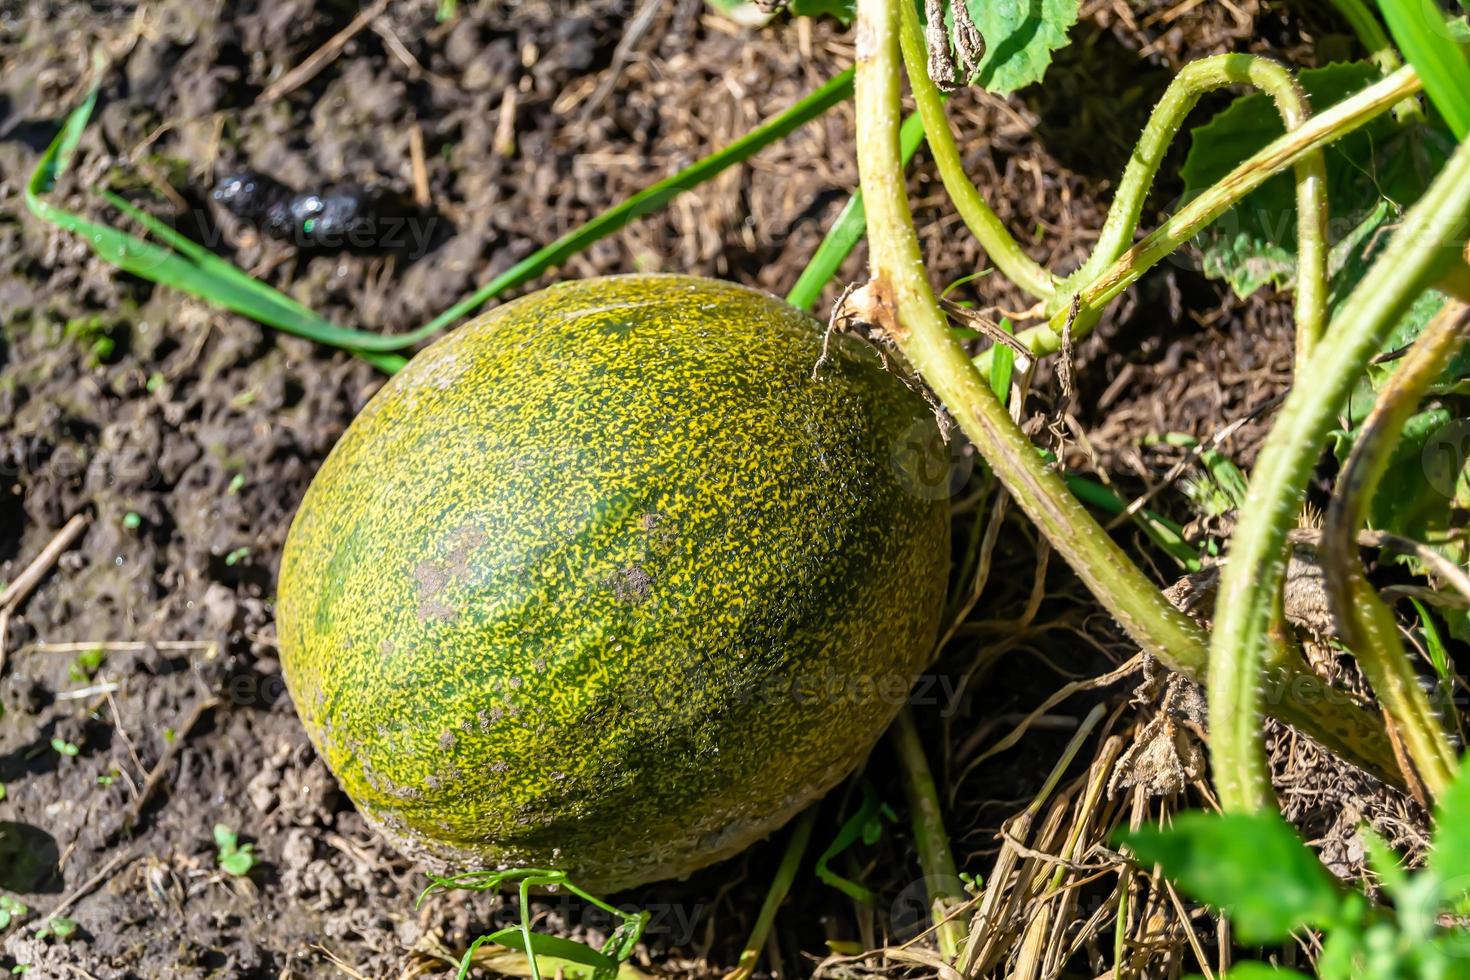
x,y
142,700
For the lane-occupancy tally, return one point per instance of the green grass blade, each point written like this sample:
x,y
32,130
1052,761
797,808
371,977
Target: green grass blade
x,y
205,259
1423,34
185,265
647,201
846,231
190,267
1003,366
225,284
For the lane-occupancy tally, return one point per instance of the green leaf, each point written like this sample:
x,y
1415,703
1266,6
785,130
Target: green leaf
x,y
1424,485
1439,659
238,862
865,825
1383,861
625,937
1020,36
1003,366
597,965
189,267
1420,30
1413,322
1342,953
1262,971
225,838
1372,175
1449,851
843,10
1253,866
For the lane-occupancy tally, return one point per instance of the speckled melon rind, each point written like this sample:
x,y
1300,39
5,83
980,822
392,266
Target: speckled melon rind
x,y
606,581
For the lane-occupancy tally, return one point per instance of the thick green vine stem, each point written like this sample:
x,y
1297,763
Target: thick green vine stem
x,y
899,300
1321,129
1429,239
1367,625
983,223
1194,81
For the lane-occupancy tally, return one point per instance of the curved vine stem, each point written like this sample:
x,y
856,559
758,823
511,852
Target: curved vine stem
x,y
1428,240
1321,129
983,223
900,300
1366,624
1195,80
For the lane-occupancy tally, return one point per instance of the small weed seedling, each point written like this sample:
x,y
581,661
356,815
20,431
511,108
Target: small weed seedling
x,y
10,910
58,927
65,748
1255,868
571,959
87,664
234,858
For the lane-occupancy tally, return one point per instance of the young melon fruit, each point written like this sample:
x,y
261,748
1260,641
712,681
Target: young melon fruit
x,y
605,581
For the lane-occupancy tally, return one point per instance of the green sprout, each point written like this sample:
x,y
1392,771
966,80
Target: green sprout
x,y
58,927
10,910
234,858
86,666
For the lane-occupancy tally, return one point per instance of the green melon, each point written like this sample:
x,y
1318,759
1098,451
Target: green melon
x,y
605,581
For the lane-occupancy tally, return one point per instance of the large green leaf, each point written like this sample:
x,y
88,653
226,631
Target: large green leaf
x,y
1425,480
1251,865
1020,36
1261,971
1449,853
1424,493
1372,175
1422,33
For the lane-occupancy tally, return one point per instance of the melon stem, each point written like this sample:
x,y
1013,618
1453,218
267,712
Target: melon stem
x,y
900,301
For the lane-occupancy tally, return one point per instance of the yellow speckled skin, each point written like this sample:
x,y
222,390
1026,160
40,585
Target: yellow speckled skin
x,y
604,581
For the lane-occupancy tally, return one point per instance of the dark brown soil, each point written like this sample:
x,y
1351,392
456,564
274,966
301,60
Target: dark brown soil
x,y
186,436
